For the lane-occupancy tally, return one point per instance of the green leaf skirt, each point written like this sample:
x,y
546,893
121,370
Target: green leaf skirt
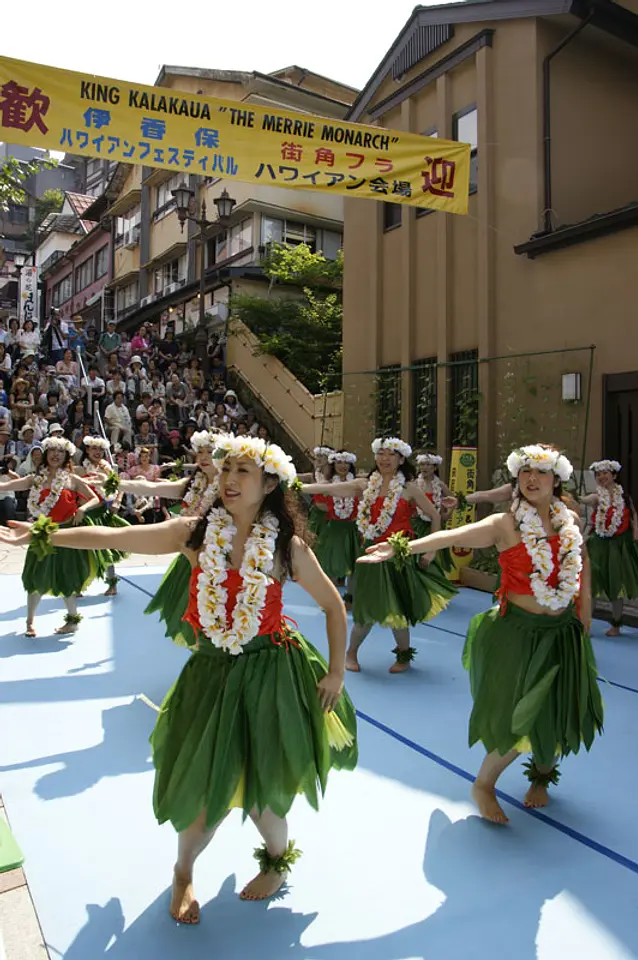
x,y
317,519
337,547
171,600
533,682
103,517
248,731
400,598
614,566
64,572
422,528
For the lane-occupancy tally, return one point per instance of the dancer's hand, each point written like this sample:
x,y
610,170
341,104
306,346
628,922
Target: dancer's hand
x,y
449,503
19,533
377,553
426,559
78,517
329,690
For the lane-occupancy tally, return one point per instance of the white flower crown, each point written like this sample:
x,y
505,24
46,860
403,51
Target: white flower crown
x,y
202,440
97,442
392,443
343,457
58,443
322,451
429,459
267,455
612,465
538,458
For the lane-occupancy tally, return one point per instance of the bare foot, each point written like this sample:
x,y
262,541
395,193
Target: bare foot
x,y
111,592
67,628
263,886
613,632
536,796
352,664
184,907
399,667
488,806
30,632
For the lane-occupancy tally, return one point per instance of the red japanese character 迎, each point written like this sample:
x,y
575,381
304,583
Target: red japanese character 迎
x,y
439,179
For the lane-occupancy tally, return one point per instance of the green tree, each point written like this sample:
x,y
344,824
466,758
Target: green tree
x,y
303,331
51,201
13,176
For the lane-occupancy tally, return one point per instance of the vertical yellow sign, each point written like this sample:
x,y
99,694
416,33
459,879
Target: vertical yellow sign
x,y
462,480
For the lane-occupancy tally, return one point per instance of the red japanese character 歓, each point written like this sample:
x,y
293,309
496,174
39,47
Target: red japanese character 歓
x,y
439,179
22,110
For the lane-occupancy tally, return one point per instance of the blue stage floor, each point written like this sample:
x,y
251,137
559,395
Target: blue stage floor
x,y
396,866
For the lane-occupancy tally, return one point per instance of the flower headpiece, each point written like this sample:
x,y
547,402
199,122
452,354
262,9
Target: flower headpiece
x,y
392,443
343,457
267,455
58,443
322,451
202,440
612,465
429,459
539,458
97,442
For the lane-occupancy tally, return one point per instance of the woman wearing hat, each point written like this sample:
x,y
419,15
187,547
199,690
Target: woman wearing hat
x,y
532,670
612,542
53,499
25,441
21,401
395,596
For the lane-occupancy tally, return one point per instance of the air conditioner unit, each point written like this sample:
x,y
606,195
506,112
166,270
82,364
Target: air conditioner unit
x,y
132,239
171,288
144,302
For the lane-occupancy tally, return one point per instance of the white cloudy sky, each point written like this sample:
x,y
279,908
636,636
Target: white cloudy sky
x,y
131,39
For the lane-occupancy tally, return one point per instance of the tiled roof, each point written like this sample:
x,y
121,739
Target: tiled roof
x,y
81,203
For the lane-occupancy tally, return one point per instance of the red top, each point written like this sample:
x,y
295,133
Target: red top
x,y
272,620
401,521
331,509
321,498
624,523
66,507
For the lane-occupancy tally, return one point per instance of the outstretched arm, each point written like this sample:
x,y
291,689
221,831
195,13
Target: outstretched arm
x,y
352,488
495,495
417,496
23,483
170,489
168,537
476,536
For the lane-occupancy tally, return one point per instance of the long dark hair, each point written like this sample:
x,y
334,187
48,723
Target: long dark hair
x,y
558,491
284,505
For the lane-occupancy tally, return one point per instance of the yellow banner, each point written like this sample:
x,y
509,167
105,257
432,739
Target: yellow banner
x,y
462,480
158,127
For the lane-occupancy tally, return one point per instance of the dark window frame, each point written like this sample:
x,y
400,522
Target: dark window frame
x,y
424,211
389,211
472,108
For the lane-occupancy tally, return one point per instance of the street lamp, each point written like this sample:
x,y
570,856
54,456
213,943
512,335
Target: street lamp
x,y
183,197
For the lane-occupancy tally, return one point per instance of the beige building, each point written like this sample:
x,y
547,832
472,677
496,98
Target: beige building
x,y
546,92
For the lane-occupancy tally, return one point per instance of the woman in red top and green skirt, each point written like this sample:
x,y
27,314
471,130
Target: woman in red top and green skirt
x,y
612,542
338,543
394,596
530,659
437,492
256,717
54,492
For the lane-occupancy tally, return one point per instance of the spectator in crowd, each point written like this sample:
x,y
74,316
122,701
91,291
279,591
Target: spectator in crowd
x,y
234,408
146,438
125,352
115,383
109,342
67,366
143,409
117,420
5,359
221,420
176,410
28,338
55,338
25,441
135,377
140,343
172,448
93,388
168,350
21,401
77,335
92,347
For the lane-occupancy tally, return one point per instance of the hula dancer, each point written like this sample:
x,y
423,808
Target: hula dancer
x,y
318,512
105,515
52,501
531,664
256,716
612,546
338,544
429,481
197,493
398,595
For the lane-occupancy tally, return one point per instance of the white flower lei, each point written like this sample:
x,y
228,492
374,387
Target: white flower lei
x,y
102,465
343,506
539,550
212,596
437,493
61,480
605,501
201,495
367,529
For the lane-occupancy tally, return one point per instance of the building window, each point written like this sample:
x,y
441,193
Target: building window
x,y
84,275
18,213
424,400
391,215
389,401
62,291
423,211
101,262
93,167
465,130
127,297
465,398
128,228
289,232
171,272
232,242
329,243
164,201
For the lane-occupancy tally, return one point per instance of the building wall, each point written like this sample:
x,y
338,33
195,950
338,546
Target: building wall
x,y
439,284
83,250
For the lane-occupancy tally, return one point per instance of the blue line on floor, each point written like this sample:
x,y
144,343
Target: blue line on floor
x,y
561,827
459,772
